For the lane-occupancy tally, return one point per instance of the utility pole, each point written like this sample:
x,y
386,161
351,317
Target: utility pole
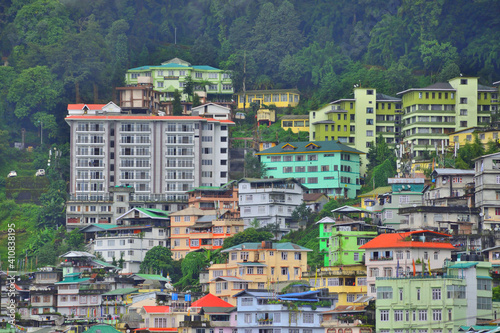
x,y
244,79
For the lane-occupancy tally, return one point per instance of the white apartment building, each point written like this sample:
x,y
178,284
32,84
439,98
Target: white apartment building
x,y
160,157
487,188
131,242
269,201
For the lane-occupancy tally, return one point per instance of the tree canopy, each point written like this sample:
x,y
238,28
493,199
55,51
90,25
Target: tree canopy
x,y
158,260
249,235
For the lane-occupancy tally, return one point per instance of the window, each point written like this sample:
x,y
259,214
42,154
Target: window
x,y
384,292
484,303
284,255
247,301
483,284
455,291
369,121
400,294
369,110
284,270
418,294
398,315
369,133
384,315
422,315
243,255
436,315
248,318
308,318
312,180
436,293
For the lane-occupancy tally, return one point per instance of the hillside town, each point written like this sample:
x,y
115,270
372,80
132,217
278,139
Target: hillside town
x,y
420,253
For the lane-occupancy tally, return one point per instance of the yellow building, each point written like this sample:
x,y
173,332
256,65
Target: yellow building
x,y
369,199
256,266
467,135
348,281
297,123
282,98
194,228
266,116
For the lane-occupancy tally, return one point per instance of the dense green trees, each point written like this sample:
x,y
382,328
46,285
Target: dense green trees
x,y
158,260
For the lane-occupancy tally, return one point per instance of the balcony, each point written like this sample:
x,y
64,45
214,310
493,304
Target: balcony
x,y
144,80
221,324
194,324
265,322
382,259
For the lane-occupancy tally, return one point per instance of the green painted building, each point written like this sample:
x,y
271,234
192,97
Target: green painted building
x,y
171,75
432,113
435,304
346,239
358,121
326,226
321,166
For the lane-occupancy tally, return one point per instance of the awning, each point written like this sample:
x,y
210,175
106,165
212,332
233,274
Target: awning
x,y
363,299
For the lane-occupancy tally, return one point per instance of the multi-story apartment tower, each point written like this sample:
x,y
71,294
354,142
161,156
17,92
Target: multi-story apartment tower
x,y
173,75
487,190
269,201
430,304
432,113
161,157
358,121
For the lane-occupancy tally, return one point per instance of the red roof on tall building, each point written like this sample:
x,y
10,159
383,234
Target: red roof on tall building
x,y
157,309
90,106
107,117
210,300
398,240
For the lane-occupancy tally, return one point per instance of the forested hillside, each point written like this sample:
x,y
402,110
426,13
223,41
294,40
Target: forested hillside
x,y
58,51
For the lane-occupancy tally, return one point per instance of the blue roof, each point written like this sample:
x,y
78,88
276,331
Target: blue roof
x,y
171,65
304,293
206,68
299,299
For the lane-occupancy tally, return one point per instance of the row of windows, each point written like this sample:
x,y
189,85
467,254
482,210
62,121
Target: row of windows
x,y
296,123
416,315
270,98
452,292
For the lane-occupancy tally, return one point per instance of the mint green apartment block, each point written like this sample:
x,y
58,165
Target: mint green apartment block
x,y
435,304
321,166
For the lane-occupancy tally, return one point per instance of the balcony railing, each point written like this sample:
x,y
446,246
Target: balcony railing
x,y
195,323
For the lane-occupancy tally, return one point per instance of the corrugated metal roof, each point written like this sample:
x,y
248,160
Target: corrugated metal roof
x,y
121,291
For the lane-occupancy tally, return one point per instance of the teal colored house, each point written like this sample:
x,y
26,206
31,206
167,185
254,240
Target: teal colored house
x,y
321,166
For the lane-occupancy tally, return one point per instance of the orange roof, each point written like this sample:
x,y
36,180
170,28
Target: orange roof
x,y
157,309
397,240
90,106
210,300
148,118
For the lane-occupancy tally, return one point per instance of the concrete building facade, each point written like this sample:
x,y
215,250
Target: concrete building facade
x,y
160,157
